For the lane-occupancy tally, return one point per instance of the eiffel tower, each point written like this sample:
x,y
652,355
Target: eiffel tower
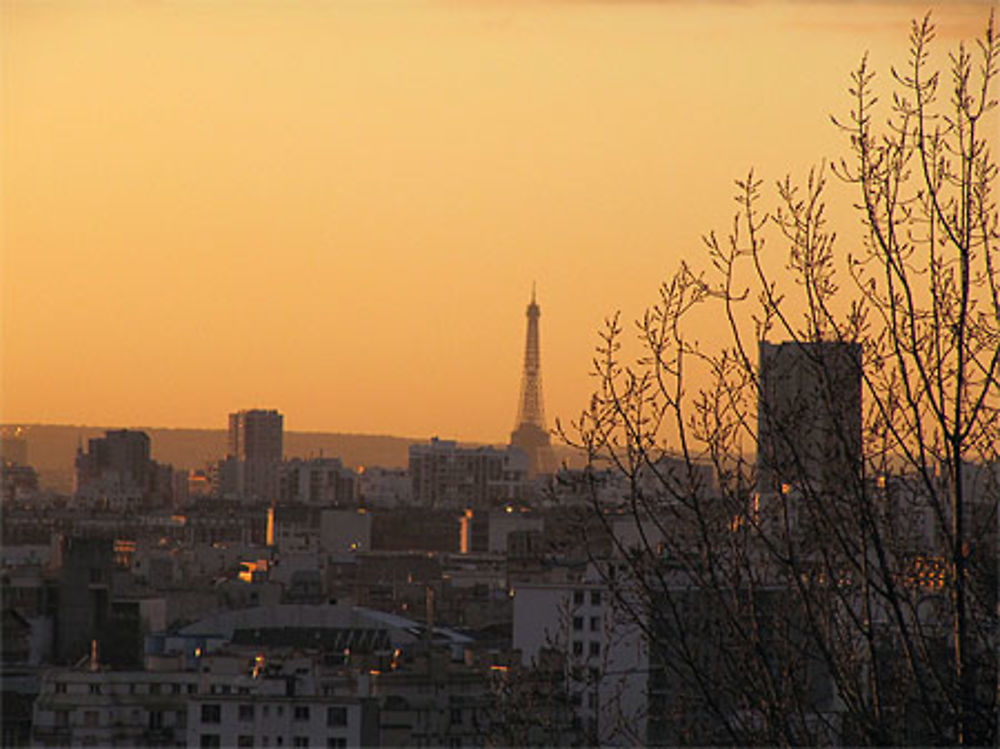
x,y
530,434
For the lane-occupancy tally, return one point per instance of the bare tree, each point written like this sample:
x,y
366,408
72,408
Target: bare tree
x,y
819,517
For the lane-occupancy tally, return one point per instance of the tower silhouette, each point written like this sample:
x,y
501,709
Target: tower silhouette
x,y
530,434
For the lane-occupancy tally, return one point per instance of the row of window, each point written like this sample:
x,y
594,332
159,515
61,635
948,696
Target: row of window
x,y
595,623
61,687
336,716
247,741
578,597
91,718
593,651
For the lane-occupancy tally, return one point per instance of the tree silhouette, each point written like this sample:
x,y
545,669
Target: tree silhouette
x,y
818,515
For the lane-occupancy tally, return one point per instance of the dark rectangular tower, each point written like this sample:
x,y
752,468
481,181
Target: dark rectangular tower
x,y
809,416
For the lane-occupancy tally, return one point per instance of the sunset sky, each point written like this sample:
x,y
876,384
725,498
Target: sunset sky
x,y
338,208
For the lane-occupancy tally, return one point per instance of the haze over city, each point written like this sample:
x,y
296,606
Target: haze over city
x,y
339,209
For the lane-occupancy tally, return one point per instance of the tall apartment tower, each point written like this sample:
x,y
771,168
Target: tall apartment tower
x,y
530,435
809,416
256,448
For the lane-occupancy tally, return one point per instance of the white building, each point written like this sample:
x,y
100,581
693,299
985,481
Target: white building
x,y
84,707
385,487
606,656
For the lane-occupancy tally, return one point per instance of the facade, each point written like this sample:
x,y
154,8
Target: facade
x,y
118,472
445,475
262,712
256,435
318,481
252,468
604,655
92,707
384,487
809,416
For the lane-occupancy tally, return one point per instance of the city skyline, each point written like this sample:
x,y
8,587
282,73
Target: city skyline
x,y
339,210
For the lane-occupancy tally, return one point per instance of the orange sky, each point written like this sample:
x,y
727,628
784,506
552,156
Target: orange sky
x,y
337,209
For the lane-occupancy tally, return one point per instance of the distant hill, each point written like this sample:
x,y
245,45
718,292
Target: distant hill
x,y
51,448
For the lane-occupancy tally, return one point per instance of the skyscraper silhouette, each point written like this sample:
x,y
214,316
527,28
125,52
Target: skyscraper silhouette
x,y
530,434
809,416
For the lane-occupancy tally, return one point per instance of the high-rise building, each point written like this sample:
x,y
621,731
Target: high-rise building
x,y
809,416
255,452
118,469
530,434
256,435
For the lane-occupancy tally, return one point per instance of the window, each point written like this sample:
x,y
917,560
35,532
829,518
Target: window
x,y
456,715
577,623
155,720
60,687
595,649
577,597
302,741
175,688
90,718
577,648
211,713
595,624
301,713
336,716
95,688
335,742
192,688
595,597
244,741
210,741
62,718
181,719
154,688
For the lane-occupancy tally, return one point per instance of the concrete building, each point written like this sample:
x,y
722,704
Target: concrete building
x,y
445,475
809,416
322,482
384,488
89,706
255,453
604,655
117,472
